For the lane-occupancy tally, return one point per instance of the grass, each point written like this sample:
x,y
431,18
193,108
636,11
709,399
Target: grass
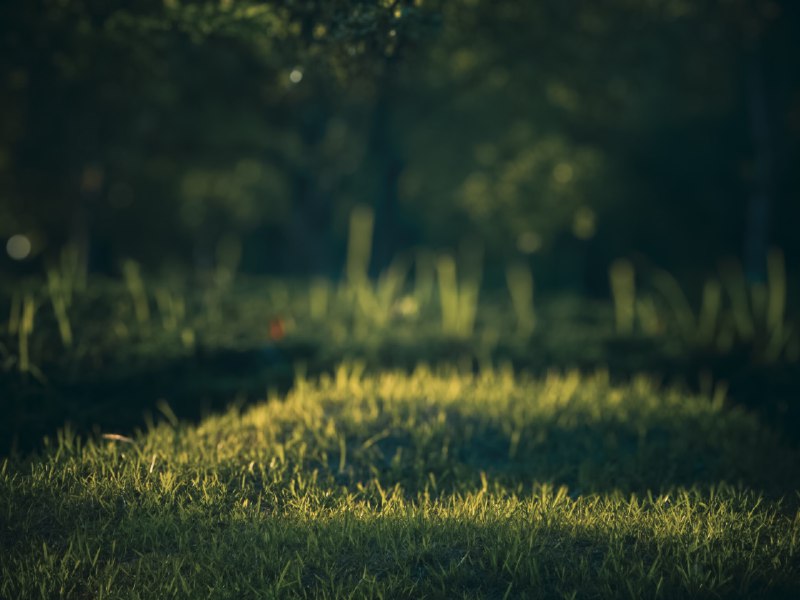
x,y
438,484
733,315
199,345
379,480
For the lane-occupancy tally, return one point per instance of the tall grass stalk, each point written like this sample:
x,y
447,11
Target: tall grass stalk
x,y
73,268
671,291
710,310
389,286
735,311
520,288
171,308
459,300
424,276
448,292
359,244
778,333
60,291
735,284
133,279
776,292
25,331
374,304
357,291
647,316
623,291
318,297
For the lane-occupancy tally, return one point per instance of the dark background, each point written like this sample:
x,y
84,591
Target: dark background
x,y
569,133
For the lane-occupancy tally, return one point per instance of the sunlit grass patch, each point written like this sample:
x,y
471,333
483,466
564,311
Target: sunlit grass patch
x,y
434,484
581,431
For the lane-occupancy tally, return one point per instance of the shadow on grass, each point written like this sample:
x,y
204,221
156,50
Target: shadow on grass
x,y
588,456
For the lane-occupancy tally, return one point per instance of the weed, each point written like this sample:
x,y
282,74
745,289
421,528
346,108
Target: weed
x,y
458,299
133,279
732,311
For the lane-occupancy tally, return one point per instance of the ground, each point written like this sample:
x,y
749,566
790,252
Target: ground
x,y
561,463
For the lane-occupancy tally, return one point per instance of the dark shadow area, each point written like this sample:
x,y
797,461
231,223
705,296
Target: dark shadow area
x,y
209,380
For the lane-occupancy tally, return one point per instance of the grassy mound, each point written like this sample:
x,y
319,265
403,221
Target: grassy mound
x,y
437,484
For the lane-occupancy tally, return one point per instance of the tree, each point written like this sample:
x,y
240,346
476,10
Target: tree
x,y
216,116
553,126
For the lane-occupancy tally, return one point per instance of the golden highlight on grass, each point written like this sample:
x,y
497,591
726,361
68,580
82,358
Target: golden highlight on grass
x,y
431,484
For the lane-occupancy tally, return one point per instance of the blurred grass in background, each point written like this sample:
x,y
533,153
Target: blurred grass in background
x,y
221,334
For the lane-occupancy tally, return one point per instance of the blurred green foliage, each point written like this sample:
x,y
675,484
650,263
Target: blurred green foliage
x,y
573,131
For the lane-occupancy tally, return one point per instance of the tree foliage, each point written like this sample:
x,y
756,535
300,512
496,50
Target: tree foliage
x,y
534,126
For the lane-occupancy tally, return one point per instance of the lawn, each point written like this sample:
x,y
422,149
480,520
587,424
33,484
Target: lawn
x,y
442,482
396,438
399,299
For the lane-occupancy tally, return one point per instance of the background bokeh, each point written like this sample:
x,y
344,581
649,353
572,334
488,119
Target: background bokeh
x,y
563,131
184,133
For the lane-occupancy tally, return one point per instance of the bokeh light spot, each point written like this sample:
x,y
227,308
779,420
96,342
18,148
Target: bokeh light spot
x,y
563,172
583,223
529,242
296,76
18,247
